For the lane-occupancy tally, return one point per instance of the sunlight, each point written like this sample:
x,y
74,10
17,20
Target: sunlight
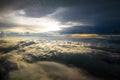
x,y
43,24
37,25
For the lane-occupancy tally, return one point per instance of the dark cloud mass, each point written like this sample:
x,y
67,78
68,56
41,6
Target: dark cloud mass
x,y
101,27
102,16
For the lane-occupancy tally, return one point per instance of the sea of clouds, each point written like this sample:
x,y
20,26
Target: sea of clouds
x,y
33,59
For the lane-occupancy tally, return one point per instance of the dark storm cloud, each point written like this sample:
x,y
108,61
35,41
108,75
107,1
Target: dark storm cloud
x,y
21,4
39,11
6,25
12,4
91,13
17,4
77,9
4,3
77,30
103,16
102,27
56,3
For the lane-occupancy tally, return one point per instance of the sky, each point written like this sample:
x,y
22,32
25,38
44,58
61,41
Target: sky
x,y
60,16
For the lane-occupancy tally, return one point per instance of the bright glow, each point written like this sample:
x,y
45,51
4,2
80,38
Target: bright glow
x,y
37,25
43,24
21,12
86,36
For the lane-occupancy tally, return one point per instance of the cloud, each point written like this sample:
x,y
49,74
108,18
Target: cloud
x,y
47,71
25,57
21,23
97,14
16,68
86,36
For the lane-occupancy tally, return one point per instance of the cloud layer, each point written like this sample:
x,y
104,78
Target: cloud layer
x,y
47,71
58,59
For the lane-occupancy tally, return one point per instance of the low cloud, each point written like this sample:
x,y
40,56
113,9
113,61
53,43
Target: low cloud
x,y
42,58
47,71
86,36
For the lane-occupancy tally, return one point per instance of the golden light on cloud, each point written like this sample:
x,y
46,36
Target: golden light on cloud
x,y
23,23
43,24
86,36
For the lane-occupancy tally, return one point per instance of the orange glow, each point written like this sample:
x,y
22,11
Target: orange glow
x,y
86,36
